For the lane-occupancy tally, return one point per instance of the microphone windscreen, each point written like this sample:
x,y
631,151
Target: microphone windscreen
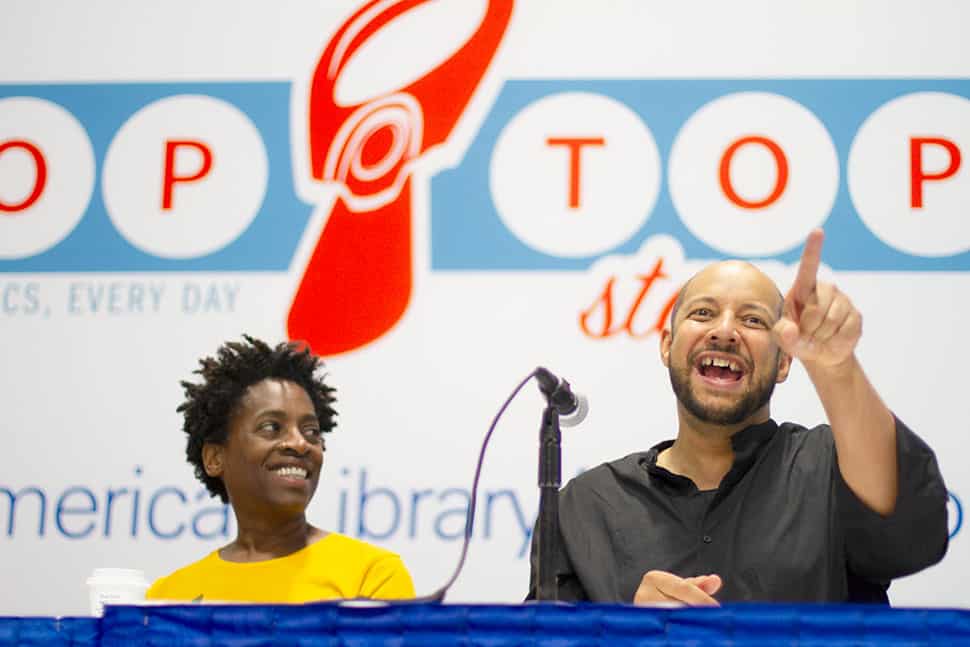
x,y
577,416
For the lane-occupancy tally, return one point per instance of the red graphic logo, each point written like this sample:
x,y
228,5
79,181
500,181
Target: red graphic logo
x,y
357,283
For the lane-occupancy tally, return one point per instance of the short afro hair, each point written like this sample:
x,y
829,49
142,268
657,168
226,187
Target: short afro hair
x,y
209,406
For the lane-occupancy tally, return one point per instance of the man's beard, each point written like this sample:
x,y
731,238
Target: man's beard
x,y
756,397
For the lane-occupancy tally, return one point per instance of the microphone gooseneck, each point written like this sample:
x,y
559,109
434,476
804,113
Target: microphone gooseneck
x,y
569,408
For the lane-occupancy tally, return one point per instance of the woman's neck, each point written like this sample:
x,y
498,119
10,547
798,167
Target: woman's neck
x,y
259,540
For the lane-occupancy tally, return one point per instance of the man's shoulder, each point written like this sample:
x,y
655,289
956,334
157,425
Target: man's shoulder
x,y
610,474
799,434
796,428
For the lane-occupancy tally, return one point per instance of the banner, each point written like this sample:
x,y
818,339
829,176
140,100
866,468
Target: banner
x,y
439,197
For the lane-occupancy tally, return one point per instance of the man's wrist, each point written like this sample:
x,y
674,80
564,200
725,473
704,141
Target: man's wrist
x,y
843,371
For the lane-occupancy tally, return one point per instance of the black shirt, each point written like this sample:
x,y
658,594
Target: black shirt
x,y
782,526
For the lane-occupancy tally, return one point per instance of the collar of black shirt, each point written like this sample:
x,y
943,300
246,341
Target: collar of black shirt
x,y
747,445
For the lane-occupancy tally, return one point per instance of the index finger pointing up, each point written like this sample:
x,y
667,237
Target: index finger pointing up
x,y
804,283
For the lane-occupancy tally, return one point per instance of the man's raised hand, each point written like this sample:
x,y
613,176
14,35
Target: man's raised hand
x,y
819,324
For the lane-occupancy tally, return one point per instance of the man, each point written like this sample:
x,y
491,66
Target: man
x,y
740,508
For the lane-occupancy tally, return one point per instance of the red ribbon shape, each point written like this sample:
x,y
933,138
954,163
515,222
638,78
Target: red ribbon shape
x,y
357,283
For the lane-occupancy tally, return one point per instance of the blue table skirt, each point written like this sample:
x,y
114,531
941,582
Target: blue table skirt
x,y
546,624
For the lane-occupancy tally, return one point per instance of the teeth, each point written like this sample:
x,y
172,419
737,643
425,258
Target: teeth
x,y
720,362
292,471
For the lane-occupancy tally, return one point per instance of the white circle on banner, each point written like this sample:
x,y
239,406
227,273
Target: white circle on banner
x,y
752,173
575,174
216,165
47,171
909,173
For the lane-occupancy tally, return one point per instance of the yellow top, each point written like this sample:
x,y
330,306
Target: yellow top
x,y
335,567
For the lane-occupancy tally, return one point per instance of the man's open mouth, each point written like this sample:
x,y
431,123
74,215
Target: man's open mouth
x,y
720,369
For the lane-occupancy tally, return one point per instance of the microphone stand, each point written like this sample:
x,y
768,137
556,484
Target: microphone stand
x,y
550,478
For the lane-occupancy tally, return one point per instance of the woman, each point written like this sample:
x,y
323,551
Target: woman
x,y
255,430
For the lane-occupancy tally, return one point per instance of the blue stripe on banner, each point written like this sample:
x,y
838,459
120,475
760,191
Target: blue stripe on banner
x,y
95,245
468,234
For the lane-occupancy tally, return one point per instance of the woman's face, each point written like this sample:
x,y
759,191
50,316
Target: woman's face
x,y
271,460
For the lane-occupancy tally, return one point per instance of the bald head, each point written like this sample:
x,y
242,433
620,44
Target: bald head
x,y
728,277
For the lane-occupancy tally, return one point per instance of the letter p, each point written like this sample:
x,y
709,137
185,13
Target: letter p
x,y
170,178
918,175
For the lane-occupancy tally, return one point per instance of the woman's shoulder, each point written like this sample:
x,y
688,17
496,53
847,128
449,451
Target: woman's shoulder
x,y
187,578
377,572
335,542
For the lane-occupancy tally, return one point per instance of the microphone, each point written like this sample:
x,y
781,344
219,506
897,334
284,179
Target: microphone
x,y
571,407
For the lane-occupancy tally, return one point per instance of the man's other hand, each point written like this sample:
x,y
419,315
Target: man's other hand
x,y
662,587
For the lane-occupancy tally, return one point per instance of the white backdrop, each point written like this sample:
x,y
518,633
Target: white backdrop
x,y
94,342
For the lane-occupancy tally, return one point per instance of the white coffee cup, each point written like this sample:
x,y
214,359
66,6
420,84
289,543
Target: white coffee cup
x,y
115,586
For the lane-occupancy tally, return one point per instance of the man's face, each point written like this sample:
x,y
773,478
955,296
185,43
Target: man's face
x,y
722,360
271,460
